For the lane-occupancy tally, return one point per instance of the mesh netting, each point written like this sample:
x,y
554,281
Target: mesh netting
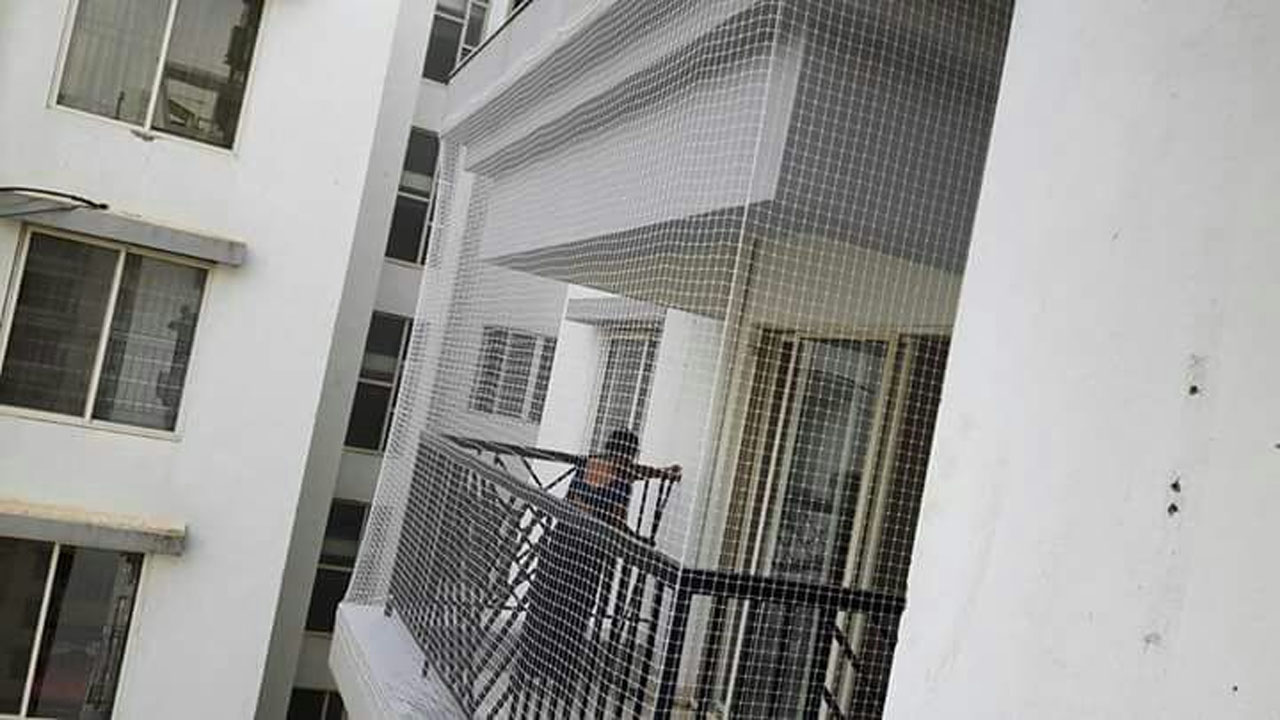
x,y
670,394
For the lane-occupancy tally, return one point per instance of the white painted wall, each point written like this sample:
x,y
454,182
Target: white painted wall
x,y
571,393
1125,249
529,208
678,413
677,422
392,112
291,190
396,292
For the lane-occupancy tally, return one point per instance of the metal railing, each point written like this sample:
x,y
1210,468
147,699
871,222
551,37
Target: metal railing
x,y
475,553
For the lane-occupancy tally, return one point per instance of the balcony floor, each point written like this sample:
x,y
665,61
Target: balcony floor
x,y
378,668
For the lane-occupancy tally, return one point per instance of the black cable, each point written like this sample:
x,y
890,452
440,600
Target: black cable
x,y
55,193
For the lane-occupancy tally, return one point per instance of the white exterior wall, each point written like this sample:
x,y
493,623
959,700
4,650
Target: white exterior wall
x,y
291,190
396,290
395,107
1124,250
572,390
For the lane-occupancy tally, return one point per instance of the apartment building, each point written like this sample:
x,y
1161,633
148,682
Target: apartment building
x,y
211,238
738,231
960,433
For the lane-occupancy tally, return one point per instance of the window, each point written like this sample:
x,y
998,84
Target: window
x,y
337,560
506,383
101,332
456,31
64,618
315,705
624,386
307,704
177,66
411,220
384,350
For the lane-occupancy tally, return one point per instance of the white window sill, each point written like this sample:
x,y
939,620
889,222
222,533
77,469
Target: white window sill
x,y
147,134
403,263
86,423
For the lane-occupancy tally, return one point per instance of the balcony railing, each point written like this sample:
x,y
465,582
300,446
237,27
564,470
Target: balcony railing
x,y
465,579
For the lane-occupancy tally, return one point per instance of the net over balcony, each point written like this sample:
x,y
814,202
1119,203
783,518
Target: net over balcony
x,y
661,441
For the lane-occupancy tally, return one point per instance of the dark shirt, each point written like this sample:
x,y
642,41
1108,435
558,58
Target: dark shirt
x,y
608,501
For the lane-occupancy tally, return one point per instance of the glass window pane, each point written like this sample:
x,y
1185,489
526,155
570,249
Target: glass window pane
x,y
368,416
646,381
24,568
515,375
326,593
475,25
306,704
457,8
145,365
543,380
112,57
442,49
342,533
382,347
407,224
56,325
206,69
334,710
420,162
84,633
624,388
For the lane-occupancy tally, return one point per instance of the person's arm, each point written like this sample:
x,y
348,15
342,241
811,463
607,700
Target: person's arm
x,y
645,472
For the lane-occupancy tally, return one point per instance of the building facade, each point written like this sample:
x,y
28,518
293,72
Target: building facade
x,y
960,434
745,358
203,222
735,231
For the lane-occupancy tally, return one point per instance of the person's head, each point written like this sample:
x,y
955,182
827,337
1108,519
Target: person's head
x,y
622,445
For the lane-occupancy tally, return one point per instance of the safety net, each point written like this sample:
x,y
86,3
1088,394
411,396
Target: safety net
x,y
661,440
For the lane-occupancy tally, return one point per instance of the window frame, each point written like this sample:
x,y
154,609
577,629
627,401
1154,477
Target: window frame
x,y
85,418
42,619
147,130
544,345
429,198
406,334
652,338
464,50
348,570
325,706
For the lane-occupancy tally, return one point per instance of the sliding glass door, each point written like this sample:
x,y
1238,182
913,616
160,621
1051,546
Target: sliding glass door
x,y
836,449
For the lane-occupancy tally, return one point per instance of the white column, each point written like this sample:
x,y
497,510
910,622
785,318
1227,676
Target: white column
x,y
1103,501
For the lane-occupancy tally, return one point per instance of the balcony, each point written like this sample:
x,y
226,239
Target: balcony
x,y
471,614
736,229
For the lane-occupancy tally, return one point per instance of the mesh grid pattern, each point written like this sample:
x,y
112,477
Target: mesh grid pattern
x,y
737,228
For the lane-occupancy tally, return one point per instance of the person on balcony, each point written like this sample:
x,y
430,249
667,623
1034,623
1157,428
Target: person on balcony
x,y
602,486
574,560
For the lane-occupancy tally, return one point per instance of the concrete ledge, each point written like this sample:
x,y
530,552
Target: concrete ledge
x,y
86,528
614,311
134,231
378,669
